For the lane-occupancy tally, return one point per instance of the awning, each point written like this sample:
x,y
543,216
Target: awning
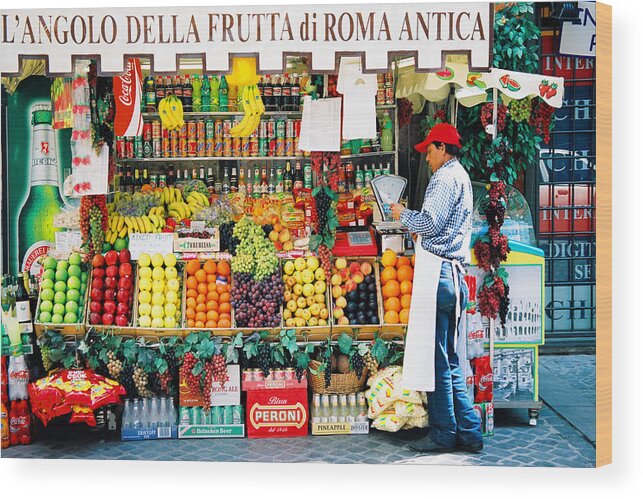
x,y
472,86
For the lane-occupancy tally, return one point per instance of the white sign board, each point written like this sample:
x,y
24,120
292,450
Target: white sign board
x,y
427,30
230,392
162,243
68,241
580,39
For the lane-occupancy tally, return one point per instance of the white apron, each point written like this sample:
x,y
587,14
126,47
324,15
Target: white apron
x,y
418,370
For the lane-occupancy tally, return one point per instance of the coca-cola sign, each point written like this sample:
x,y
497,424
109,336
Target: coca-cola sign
x,y
128,91
19,376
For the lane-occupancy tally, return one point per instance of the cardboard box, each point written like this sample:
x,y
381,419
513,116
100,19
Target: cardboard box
x,y
277,413
229,394
130,434
212,431
356,428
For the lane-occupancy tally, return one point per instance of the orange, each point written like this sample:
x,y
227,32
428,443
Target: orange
x,y
391,317
389,257
210,267
388,274
192,266
199,324
224,297
211,278
392,303
405,301
221,288
224,323
192,283
213,295
223,268
224,317
212,305
406,287
225,308
211,324
404,316
202,288
212,315
201,298
190,313
200,308
200,275
402,260
190,302
212,286
190,323
391,288
405,273
201,317
192,293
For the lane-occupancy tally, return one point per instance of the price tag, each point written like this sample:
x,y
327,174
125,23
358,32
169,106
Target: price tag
x,y
162,243
67,241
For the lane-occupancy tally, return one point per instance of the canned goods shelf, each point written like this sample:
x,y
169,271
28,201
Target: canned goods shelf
x,y
228,113
212,158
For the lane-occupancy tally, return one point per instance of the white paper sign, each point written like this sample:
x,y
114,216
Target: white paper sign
x,y
230,393
68,241
580,39
91,179
162,243
320,125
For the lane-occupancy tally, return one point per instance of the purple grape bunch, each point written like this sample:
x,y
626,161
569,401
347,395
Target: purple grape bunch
x,y
257,304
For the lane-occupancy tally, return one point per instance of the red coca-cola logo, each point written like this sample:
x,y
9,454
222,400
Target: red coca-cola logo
x,y
478,334
19,375
17,421
485,379
126,96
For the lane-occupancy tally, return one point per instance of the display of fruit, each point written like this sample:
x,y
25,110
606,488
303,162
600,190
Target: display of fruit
x,y
112,289
254,254
305,293
396,279
257,303
62,290
354,291
207,300
280,235
94,223
159,291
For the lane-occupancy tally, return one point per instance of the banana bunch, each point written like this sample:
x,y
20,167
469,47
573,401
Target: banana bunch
x,y
253,108
171,112
168,195
29,67
121,226
197,201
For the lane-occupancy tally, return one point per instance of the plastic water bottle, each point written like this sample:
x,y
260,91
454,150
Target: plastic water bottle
x,y
137,419
154,413
386,140
127,415
18,378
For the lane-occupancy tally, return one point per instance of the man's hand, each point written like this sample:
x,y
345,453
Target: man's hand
x,y
396,210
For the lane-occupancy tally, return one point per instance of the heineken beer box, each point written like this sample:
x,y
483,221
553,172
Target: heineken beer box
x,y
218,422
228,394
277,413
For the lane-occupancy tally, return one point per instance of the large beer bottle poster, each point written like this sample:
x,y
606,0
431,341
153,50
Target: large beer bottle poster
x,y
37,157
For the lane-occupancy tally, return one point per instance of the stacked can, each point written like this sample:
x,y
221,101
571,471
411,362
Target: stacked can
x,y
245,147
237,144
138,146
174,144
183,141
263,138
388,89
191,125
121,148
227,139
200,138
156,139
254,143
289,143
296,139
272,137
147,140
280,132
209,138
165,143
218,138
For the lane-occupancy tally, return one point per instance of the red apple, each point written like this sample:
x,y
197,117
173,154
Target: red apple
x,y
125,283
125,269
109,306
111,282
97,283
122,296
122,308
344,273
110,294
111,257
121,321
97,294
98,261
108,319
124,256
354,267
112,271
95,318
99,273
167,229
96,307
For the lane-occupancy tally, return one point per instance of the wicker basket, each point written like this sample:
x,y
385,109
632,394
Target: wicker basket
x,y
339,383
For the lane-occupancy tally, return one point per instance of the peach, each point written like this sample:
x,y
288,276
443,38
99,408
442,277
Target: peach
x,y
358,277
354,267
341,263
351,285
366,268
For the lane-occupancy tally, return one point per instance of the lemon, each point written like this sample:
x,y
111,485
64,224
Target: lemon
x,y
169,260
145,273
158,299
307,276
144,260
171,272
158,286
289,267
158,273
157,260
300,264
145,284
312,263
158,312
173,284
144,309
144,321
144,297
157,323
170,309
170,321
172,297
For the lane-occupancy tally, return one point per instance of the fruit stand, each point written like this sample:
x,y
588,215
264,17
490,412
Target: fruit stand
x,y
199,251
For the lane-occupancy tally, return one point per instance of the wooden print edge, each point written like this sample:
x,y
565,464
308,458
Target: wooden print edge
x,y
603,234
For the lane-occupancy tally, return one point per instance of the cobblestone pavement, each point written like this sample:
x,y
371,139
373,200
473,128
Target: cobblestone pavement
x,y
553,442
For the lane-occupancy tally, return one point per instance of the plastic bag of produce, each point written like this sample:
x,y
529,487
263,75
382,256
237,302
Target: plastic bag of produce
x,y
408,410
417,422
389,421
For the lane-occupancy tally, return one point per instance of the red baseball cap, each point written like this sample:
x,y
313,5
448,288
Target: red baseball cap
x,y
442,132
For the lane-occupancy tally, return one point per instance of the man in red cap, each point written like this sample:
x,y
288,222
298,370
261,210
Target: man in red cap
x,y
443,248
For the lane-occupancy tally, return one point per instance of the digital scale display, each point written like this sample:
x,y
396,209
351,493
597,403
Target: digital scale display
x,y
360,238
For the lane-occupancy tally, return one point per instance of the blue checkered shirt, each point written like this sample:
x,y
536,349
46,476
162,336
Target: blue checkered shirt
x,y
445,220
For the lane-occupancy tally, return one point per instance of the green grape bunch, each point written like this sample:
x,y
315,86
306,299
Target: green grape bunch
x,y
520,110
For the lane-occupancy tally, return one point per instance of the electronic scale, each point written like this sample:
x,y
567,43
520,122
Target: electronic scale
x,y
391,234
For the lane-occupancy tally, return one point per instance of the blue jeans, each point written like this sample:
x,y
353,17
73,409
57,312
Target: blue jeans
x,y
452,419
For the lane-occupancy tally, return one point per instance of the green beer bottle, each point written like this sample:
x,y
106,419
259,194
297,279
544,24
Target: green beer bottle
x,y
36,219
